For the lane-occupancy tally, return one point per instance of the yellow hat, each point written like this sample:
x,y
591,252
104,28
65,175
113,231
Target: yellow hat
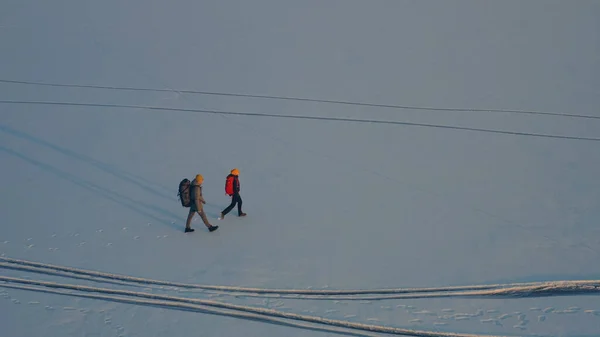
x,y
199,178
235,172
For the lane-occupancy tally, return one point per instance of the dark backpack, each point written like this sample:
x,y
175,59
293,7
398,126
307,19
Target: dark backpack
x,y
184,193
229,185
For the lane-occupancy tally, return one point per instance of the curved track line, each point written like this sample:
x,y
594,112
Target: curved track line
x,y
194,308
257,290
509,289
559,288
267,312
69,275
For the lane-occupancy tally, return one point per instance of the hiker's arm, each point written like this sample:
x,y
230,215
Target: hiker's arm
x,y
200,197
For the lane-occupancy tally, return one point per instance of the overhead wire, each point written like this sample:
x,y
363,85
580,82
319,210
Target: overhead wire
x,y
302,99
321,118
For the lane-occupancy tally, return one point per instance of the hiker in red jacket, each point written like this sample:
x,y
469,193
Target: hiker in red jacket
x,y
232,189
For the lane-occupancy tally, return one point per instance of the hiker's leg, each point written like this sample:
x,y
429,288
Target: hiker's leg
x,y
230,207
188,223
239,203
204,218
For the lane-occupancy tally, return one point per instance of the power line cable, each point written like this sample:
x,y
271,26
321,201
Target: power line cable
x,y
322,118
302,99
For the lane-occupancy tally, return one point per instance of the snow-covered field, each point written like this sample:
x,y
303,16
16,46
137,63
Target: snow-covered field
x,y
362,219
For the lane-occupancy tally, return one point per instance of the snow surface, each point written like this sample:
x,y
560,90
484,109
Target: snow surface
x,y
92,239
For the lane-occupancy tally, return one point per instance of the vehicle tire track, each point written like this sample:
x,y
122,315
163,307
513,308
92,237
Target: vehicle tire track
x,y
172,302
550,288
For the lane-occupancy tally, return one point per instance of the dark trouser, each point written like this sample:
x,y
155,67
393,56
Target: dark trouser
x,y
193,211
234,199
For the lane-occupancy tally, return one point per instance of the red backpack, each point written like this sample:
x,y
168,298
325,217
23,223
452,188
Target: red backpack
x,y
229,185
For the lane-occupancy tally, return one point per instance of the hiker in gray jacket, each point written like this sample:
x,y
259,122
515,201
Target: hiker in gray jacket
x,y
197,205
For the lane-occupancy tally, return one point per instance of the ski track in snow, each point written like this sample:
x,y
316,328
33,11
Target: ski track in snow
x,y
273,298
189,307
180,303
530,289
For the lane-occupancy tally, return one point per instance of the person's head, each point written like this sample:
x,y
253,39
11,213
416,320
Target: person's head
x,y
235,172
199,178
